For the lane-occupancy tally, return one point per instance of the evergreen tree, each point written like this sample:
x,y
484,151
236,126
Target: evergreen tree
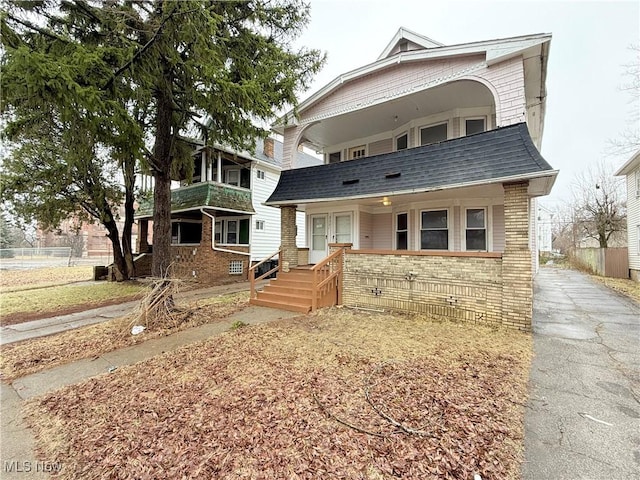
x,y
132,73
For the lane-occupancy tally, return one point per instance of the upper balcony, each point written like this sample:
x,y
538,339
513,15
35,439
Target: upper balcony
x,y
211,195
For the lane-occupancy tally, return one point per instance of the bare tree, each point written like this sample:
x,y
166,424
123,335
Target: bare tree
x,y
628,140
598,204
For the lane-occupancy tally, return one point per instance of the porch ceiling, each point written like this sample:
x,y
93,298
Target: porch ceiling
x,y
393,114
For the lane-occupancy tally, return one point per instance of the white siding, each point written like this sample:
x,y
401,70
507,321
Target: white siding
x,y
633,218
366,230
498,228
265,242
382,231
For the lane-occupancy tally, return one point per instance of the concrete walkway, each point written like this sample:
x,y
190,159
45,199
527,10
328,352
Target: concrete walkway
x,y
583,417
17,457
60,323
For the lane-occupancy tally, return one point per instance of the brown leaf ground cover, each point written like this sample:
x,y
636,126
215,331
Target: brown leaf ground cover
x,y
332,395
625,286
14,280
20,359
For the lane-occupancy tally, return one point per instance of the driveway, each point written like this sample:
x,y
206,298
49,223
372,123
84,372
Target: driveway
x,y
583,416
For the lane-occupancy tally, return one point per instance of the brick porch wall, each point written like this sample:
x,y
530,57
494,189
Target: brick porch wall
x,y
465,287
204,265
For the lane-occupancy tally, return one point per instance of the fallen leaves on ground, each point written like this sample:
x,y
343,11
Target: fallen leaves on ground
x,y
332,395
20,359
626,286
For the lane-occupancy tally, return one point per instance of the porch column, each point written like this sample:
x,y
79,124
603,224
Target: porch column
x,y
288,230
143,234
517,277
219,169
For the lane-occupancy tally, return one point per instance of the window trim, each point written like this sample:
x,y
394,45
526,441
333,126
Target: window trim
x,y
463,123
423,127
463,240
260,174
259,225
448,229
396,230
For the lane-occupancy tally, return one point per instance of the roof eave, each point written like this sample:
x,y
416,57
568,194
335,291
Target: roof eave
x,y
551,174
630,165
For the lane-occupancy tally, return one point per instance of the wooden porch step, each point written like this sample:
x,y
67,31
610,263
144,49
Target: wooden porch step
x,y
282,306
296,290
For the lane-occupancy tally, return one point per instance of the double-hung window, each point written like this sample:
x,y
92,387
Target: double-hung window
x,y
232,177
474,125
476,229
232,231
402,231
434,230
402,142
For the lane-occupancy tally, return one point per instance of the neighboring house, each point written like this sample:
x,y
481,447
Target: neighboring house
x,y
432,168
219,224
545,223
631,170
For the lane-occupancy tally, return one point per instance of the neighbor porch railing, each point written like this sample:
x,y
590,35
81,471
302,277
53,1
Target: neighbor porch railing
x,y
326,289
252,273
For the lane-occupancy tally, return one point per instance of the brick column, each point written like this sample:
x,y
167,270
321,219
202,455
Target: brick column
x,y
143,236
288,231
517,287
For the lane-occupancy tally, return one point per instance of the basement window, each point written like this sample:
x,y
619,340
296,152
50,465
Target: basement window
x,y
235,267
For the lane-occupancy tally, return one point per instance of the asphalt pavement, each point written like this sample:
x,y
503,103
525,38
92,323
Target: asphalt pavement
x,y
583,415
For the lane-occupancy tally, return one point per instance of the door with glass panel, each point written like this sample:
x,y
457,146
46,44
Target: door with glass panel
x,y
318,248
342,228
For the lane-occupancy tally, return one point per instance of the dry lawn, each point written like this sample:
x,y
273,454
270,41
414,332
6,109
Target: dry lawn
x,y
23,305
625,286
332,395
15,280
20,359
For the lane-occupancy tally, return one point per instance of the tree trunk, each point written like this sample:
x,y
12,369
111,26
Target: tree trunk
x,y
162,175
119,264
129,184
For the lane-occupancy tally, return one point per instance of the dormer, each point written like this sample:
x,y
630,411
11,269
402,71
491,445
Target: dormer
x,y
407,41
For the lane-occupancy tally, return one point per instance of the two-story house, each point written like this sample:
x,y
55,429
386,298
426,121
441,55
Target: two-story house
x,y
219,223
631,171
427,191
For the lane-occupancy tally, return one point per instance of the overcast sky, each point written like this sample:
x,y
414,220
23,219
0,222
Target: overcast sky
x,y
585,106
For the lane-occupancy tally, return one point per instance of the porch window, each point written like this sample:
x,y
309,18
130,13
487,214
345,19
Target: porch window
x,y
357,152
186,233
401,231
335,157
476,229
474,125
402,142
232,177
434,230
433,134
232,232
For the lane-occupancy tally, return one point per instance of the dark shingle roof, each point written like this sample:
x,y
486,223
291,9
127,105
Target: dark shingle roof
x,y
475,159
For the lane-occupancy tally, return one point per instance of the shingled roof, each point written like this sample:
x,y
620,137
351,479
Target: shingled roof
x,y
503,154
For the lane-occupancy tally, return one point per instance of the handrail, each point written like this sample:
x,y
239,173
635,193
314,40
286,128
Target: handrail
x,y
316,286
252,269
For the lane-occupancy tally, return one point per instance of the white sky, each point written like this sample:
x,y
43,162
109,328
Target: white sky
x,y
585,106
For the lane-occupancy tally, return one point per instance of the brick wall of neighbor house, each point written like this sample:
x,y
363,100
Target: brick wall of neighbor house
x,y
464,287
206,266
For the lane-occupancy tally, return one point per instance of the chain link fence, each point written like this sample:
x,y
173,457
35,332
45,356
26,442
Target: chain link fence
x,y
25,258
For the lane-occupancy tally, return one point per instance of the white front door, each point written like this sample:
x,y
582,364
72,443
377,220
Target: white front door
x,y
319,248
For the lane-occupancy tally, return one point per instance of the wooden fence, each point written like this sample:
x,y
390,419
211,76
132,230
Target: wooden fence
x,y
608,262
